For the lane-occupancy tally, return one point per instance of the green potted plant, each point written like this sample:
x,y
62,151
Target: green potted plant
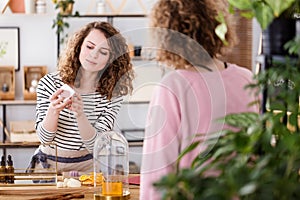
x,y
65,6
260,157
64,10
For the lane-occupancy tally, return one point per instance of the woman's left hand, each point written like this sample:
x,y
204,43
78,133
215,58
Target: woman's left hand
x,y
77,105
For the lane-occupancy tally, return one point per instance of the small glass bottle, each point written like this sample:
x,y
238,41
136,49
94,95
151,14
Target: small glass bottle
x,y
10,170
111,159
5,87
2,170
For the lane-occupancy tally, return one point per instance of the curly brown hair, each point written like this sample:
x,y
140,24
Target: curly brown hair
x,y
185,29
116,79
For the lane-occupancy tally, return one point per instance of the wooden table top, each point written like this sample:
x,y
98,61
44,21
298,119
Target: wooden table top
x,y
51,192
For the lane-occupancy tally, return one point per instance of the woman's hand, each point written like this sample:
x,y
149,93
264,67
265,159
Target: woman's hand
x,y
57,102
77,105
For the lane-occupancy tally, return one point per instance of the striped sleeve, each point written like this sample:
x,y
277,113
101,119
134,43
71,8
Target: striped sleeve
x,y
105,122
44,135
45,89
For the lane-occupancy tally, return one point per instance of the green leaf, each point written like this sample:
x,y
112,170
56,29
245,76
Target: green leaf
x,y
223,151
188,149
264,14
221,29
293,46
247,15
241,4
279,6
241,120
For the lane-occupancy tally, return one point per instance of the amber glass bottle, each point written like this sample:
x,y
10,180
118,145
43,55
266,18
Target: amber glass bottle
x,y
2,170
10,170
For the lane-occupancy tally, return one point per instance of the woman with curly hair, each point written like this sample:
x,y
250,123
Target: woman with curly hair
x,y
200,90
97,67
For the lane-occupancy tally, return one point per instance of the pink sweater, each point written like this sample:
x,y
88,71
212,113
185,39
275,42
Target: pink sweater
x,y
183,104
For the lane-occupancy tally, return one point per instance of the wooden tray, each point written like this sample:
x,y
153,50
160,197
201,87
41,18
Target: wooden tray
x,y
43,190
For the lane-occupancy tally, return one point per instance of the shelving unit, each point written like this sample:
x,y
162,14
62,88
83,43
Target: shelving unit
x,y
4,144
110,19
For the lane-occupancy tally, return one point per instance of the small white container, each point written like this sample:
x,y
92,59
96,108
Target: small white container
x,y
29,6
40,6
100,7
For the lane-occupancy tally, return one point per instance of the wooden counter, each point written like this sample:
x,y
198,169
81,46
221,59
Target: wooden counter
x,y
49,192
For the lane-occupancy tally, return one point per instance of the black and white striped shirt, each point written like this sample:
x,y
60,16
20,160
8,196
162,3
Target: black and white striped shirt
x,y
99,110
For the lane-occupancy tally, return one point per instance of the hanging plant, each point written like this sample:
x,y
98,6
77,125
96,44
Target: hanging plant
x,y
64,10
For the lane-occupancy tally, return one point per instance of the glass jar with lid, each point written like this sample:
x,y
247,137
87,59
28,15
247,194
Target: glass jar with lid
x,y
111,160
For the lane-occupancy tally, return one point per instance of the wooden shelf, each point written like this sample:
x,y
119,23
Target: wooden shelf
x,y
19,144
17,102
27,14
135,144
138,58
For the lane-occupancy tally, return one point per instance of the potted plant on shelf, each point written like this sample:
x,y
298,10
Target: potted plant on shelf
x,y
64,10
260,157
65,6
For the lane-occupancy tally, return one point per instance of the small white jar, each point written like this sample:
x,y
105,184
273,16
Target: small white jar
x,y
40,6
100,7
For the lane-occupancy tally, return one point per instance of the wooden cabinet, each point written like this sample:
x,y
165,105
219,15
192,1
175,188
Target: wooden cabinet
x,y
31,76
7,83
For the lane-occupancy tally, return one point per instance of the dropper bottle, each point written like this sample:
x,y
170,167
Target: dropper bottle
x,y
10,170
2,170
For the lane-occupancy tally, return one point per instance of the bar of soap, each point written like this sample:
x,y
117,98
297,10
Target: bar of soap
x,y
73,183
60,184
66,182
